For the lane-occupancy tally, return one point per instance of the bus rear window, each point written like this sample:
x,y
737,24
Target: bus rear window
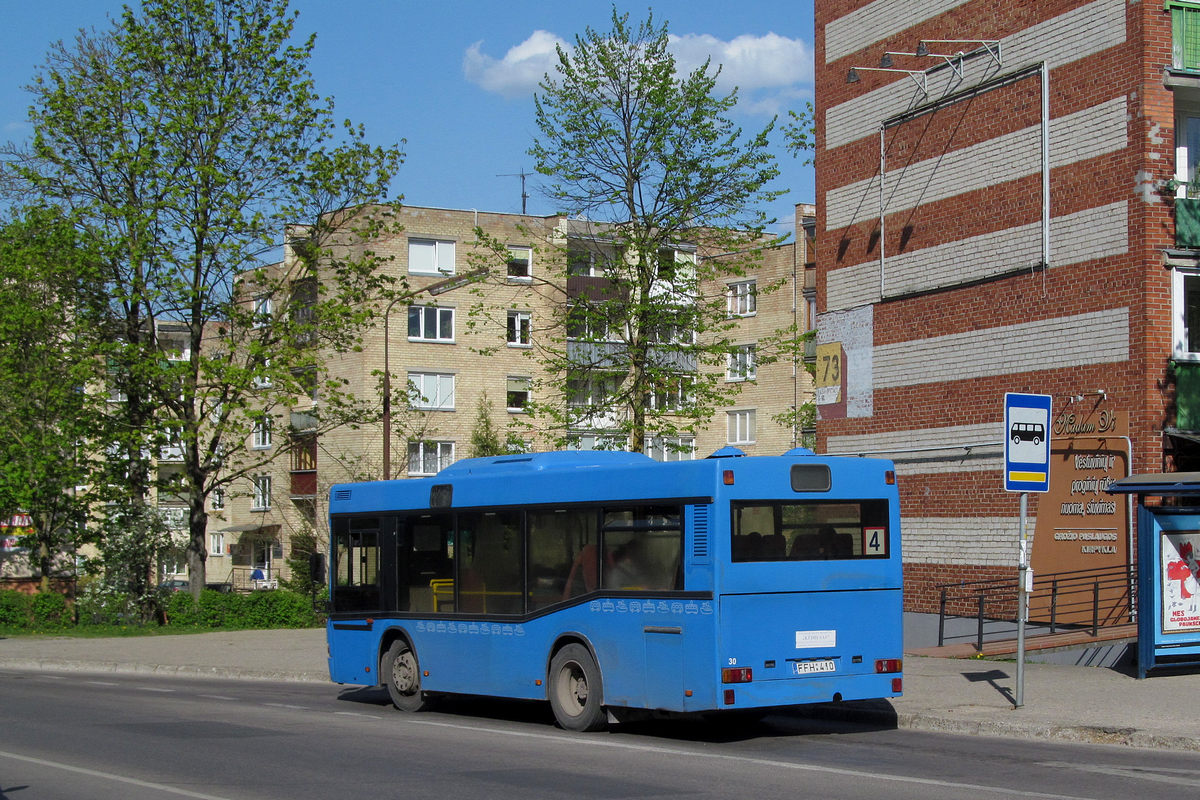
x,y
810,531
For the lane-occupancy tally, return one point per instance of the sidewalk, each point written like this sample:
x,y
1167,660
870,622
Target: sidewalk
x,y
1066,703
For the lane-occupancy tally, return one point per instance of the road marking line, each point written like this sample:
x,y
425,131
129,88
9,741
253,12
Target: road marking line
x,y
154,689
101,683
285,705
162,787
215,697
591,742
356,714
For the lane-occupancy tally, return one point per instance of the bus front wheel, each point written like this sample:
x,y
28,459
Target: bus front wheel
x,y
402,674
575,690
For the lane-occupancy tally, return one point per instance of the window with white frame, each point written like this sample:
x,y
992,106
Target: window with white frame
x,y
596,441
216,544
431,391
590,259
429,458
1186,314
262,433
593,390
741,426
587,323
517,393
216,498
1187,152
430,324
262,379
742,299
520,329
520,262
741,365
260,500
430,257
671,448
262,311
671,393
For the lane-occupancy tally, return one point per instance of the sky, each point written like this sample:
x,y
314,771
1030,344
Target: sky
x,y
455,79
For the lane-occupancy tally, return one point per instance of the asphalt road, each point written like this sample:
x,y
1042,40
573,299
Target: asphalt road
x,y
103,736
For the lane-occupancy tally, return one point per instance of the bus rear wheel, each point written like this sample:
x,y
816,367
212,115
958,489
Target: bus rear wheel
x,y
575,690
402,674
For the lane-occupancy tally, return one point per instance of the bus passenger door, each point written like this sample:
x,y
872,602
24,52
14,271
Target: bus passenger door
x,y
664,667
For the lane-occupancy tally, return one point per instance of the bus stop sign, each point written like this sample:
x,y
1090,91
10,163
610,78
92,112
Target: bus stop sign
x,y
1027,442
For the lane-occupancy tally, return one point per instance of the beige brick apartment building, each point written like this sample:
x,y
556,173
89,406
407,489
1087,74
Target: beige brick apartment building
x,y
461,342
997,214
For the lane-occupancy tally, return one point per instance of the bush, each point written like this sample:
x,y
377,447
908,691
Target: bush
x,y
51,612
219,610
16,609
278,609
182,610
101,605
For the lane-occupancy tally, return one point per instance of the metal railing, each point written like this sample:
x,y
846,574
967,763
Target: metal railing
x,y
1080,600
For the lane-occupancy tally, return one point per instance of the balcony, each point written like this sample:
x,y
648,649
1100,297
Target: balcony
x,y
304,469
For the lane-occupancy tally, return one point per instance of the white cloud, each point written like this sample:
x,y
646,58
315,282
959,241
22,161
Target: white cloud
x,y
748,62
520,70
770,70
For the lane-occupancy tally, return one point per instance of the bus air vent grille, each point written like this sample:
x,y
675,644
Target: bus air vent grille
x,y
700,533
341,494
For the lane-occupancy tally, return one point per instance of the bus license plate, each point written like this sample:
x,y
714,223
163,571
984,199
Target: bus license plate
x,y
809,667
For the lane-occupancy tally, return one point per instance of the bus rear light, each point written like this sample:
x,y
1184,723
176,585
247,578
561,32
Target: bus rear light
x,y
729,697
889,478
897,685
737,675
727,477
885,665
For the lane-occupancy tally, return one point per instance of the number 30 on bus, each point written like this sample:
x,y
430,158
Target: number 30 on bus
x,y
606,582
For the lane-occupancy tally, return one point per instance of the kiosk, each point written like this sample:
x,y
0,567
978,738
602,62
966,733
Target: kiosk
x,y
1168,570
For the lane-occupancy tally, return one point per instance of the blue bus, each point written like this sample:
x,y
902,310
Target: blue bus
x,y
607,582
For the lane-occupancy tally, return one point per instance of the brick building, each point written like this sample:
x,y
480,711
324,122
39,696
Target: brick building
x,y
1002,194
458,343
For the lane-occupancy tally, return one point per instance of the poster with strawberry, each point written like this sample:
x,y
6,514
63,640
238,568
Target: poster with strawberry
x,y
1181,581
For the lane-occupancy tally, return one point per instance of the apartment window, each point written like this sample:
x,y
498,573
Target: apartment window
x,y
590,260
260,500
595,441
587,323
262,433
430,324
671,394
262,380
741,366
216,544
741,427
430,257
520,325
667,265
1186,314
216,498
432,391
520,261
591,391
671,448
742,299
429,458
1185,35
262,311
518,393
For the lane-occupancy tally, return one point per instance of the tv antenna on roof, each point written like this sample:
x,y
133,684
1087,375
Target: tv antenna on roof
x,y
522,175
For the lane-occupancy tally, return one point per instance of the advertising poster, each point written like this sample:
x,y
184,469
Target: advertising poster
x,y
1180,581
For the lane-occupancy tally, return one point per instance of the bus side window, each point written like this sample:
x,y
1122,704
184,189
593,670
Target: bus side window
x,y
356,564
425,563
563,555
489,555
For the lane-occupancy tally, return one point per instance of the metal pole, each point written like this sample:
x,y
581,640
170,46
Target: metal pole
x,y
1022,603
387,393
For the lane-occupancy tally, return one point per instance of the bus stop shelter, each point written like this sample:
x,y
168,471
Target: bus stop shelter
x,y
1168,549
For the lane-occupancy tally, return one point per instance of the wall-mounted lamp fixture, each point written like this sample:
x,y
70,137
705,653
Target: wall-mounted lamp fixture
x,y
919,77
990,46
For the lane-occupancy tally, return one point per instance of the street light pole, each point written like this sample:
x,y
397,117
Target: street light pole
x,y
387,391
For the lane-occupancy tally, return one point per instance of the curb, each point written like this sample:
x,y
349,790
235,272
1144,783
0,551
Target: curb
x,y
163,670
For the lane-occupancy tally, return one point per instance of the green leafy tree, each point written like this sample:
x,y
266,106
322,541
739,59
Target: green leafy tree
x,y
187,141
800,133
485,438
47,419
672,192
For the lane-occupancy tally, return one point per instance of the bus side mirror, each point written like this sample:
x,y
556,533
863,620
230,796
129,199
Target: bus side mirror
x,y
316,567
